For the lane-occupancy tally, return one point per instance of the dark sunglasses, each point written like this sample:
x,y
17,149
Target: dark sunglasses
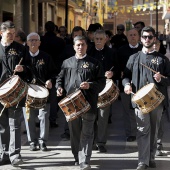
x,y
150,37
119,29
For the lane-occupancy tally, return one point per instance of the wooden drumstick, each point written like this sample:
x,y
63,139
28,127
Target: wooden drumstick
x,y
152,70
18,64
111,68
84,81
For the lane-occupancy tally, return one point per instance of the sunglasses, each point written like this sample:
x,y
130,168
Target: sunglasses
x,y
150,37
119,29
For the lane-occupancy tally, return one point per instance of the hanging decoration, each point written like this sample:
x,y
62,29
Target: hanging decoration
x,y
127,8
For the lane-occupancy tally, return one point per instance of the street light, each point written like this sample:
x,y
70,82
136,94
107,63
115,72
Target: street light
x,y
157,18
66,14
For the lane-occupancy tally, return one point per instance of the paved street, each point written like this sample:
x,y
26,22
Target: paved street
x,y
120,156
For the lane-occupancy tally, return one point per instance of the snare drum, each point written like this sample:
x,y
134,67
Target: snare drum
x,y
109,94
37,96
12,91
148,98
74,105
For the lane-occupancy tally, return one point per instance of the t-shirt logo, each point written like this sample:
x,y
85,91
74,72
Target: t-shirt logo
x,y
85,65
155,61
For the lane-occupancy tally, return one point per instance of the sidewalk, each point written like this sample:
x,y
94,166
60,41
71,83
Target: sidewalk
x,y
120,156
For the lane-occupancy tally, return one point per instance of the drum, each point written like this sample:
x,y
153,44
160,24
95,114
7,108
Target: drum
x,y
148,98
109,94
74,105
37,96
12,91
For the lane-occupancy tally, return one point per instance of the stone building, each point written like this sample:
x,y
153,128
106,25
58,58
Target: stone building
x,y
31,15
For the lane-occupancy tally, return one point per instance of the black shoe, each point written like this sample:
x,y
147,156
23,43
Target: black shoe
x,y
102,149
65,136
17,162
53,125
131,138
33,147
5,161
84,166
141,167
152,164
94,148
43,146
159,153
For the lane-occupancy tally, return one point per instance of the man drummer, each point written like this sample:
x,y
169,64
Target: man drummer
x,y
11,53
43,73
108,58
84,72
137,76
124,53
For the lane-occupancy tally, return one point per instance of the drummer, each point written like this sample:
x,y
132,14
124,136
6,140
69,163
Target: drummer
x,y
137,76
11,53
108,58
43,73
84,72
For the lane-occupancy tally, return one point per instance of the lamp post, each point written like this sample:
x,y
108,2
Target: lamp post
x,y
156,18
115,14
66,14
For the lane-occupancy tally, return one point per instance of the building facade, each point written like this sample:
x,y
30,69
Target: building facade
x,y
31,15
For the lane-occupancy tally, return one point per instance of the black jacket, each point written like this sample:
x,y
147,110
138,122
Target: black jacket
x,y
139,76
75,71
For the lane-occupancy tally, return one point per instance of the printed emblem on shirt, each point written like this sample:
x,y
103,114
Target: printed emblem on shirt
x,y
12,52
155,61
41,62
85,65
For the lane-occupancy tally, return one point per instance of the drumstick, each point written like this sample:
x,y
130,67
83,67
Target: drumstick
x,y
111,68
84,81
152,70
18,64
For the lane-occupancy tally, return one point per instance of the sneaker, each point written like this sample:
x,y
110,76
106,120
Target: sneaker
x,y
17,162
102,149
33,147
141,167
159,153
43,146
84,166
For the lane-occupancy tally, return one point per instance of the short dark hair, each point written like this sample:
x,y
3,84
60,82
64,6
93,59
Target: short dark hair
x,y
78,28
6,25
109,33
50,26
121,26
140,22
148,29
22,35
79,38
63,27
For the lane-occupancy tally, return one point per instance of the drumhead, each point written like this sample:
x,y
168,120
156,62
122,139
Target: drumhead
x,y
143,91
70,96
8,84
109,83
37,91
